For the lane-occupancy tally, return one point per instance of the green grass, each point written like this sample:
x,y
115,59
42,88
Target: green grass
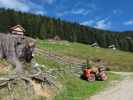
x,y
48,63
118,60
75,88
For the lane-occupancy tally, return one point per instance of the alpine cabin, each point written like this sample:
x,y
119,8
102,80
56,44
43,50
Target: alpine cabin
x,y
17,30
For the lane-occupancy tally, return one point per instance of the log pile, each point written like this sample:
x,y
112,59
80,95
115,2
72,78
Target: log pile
x,y
44,78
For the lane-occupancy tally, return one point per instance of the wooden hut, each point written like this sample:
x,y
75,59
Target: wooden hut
x,y
17,30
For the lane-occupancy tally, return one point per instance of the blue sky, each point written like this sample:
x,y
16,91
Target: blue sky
x,y
116,15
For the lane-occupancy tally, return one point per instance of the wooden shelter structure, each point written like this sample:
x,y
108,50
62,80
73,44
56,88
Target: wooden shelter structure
x,y
17,30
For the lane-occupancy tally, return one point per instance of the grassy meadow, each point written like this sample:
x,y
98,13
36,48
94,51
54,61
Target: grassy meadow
x,y
116,60
75,88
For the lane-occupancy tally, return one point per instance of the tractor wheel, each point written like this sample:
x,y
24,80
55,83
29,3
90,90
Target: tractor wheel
x,y
104,77
92,78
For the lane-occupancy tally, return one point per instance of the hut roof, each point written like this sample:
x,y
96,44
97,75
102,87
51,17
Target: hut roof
x,y
17,28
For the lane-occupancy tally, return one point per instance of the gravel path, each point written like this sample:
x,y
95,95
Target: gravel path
x,y
121,91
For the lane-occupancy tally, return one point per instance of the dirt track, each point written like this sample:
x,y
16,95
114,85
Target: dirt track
x,y
121,91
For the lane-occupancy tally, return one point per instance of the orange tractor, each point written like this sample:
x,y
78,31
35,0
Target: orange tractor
x,y
90,75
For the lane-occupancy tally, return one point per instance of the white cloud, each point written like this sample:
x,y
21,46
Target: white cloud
x,y
80,11
87,22
77,11
117,12
22,5
14,4
47,1
50,1
130,22
103,24
100,24
90,5
40,12
80,8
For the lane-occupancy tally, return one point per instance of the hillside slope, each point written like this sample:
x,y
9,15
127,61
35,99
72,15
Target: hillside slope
x,y
116,60
71,83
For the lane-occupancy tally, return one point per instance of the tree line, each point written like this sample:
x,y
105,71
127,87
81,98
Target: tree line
x,y
44,27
